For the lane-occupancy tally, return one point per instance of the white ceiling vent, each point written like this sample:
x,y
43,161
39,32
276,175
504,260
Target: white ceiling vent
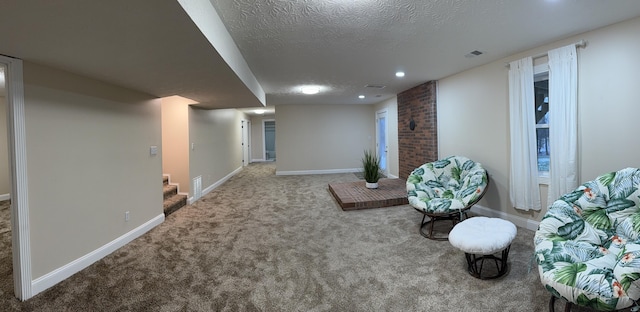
x,y
473,53
375,86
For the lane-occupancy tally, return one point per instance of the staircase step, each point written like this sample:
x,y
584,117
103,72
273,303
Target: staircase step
x,y
173,203
169,190
165,180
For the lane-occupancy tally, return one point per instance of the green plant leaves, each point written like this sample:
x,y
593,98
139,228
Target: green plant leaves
x,y
571,230
573,196
468,165
596,303
434,184
468,191
606,179
619,204
635,221
414,179
567,275
439,164
598,218
627,279
371,166
418,171
441,204
447,194
455,173
623,185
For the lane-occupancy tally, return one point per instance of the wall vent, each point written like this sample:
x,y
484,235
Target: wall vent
x,y
197,188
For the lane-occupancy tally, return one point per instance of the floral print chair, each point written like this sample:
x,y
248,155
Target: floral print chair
x,y
445,190
588,244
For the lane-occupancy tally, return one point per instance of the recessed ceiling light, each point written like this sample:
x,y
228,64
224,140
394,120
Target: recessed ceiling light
x,y
400,74
310,89
259,111
361,96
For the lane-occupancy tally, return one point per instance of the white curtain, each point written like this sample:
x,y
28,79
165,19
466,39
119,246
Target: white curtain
x,y
563,116
524,191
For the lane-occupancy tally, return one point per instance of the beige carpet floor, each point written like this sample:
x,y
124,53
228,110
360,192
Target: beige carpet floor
x,y
261,242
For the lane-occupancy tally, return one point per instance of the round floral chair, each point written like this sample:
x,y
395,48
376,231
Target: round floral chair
x,y
445,190
588,244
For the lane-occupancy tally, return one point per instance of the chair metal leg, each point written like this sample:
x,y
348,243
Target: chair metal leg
x,y
567,307
455,218
432,220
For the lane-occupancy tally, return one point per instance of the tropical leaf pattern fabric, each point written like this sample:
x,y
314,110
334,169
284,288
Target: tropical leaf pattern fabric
x,y
446,185
588,243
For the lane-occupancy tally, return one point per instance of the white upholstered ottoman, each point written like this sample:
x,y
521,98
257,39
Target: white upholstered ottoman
x,y
480,238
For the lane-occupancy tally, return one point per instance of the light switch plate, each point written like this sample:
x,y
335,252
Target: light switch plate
x,y
153,150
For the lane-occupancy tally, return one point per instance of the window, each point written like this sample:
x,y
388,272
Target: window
x,y
541,107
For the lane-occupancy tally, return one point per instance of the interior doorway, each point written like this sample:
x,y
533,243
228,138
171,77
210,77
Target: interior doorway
x,y
381,140
269,135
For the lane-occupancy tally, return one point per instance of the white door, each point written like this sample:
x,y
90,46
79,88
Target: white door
x,y
245,142
381,140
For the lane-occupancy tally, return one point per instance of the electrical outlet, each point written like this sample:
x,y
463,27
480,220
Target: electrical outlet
x,y
126,216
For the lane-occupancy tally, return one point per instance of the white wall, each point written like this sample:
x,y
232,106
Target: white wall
x,y
88,162
321,138
216,136
175,141
391,105
473,116
608,106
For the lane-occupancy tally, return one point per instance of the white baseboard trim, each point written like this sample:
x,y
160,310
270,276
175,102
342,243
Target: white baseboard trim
x,y
391,176
518,221
5,197
215,185
257,160
326,171
41,283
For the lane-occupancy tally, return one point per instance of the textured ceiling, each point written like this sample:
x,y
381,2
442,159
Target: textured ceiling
x,y
153,46
346,45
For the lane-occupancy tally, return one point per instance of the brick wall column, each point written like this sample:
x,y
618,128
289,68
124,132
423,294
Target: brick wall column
x,y
418,146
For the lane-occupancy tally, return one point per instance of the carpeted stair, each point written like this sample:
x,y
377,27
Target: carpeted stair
x,y
172,200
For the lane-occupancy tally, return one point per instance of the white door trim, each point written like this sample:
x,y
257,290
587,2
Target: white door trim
x,y
21,243
383,112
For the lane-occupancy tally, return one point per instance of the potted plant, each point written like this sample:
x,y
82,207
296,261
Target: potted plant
x,y
371,166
